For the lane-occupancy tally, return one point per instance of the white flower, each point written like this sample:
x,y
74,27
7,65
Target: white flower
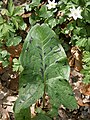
x,y
51,4
75,13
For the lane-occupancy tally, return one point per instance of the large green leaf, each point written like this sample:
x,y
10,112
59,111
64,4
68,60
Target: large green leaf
x,y
24,114
45,70
41,117
62,93
31,89
43,54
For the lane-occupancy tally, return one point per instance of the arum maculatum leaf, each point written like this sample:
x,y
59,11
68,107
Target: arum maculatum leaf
x,y
24,114
41,117
45,68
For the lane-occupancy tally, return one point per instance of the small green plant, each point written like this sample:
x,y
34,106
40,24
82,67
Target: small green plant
x,y
10,22
17,65
86,67
4,57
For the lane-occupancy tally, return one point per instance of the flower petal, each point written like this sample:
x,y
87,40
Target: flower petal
x,y
75,13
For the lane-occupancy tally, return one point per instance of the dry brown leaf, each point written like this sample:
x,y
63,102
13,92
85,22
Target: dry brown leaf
x,y
4,113
26,15
15,50
32,108
85,89
78,65
0,70
76,58
71,61
11,98
80,103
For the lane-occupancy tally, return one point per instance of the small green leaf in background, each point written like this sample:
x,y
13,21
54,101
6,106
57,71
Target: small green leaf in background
x,y
53,22
11,7
4,53
4,58
1,20
44,13
17,65
16,20
19,10
35,2
7,28
19,23
13,41
86,67
86,14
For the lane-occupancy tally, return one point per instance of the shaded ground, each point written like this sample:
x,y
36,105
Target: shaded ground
x,y
8,93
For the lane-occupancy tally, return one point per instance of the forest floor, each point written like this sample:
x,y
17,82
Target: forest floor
x,y
9,81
